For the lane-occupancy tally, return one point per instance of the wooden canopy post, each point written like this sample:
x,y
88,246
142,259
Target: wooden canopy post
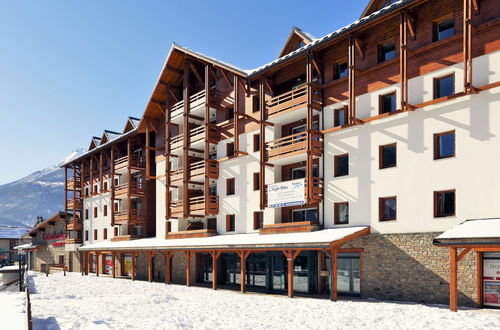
x,y
97,263
89,260
168,261
243,266
215,257
333,286
133,266
188,268
453,280
206,179
479,279
290,257
150,266
113,267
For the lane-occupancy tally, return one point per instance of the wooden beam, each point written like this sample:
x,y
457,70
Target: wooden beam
x,y
168,265
226,78
333,285
268,85
463,253
193,69
316,67
133,267
358,44
150,266
242,85
188,268
453,280
411,26
215,257
479,279
243,265
113,267
171,68
97,264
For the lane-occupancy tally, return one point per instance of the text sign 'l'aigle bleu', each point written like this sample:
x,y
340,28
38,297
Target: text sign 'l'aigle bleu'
x,y
286,193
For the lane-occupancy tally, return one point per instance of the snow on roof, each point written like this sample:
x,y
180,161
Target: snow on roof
x,y
24,247
111,134
321,237
135,121
473,228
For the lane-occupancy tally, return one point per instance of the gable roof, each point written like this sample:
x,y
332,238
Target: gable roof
x,y
295,38
132,122
108,136
94,142
374,5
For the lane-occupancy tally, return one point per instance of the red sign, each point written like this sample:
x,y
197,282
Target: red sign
x,y
58,244
54,236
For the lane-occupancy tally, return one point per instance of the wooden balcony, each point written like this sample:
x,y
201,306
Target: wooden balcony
x,y
197,205
196,169
74,204
198,134
74,183
195,101
294,144
176,176
290,227
293,100
124,238
135,216
134,162
177,208
73,241
136,189
191,233
176,142
74,225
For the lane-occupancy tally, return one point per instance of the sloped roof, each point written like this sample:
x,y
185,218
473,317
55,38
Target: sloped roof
x,y
132,123
109,136
472,231
294,38
55,217
94,142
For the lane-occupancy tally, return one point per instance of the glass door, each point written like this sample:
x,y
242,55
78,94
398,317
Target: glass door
x,y
491,279
348,274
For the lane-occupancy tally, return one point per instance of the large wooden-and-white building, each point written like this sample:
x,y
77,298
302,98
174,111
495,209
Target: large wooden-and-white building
x,y
334,169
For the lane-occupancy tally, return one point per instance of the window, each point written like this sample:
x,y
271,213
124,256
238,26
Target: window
x,y
444,203
230,186
387,156
86,213
230,149
341,213
86,191
443,29
387,103
106,186
95,234
230,222
255,103
79,234
138,230
444,145
340,117
115,231
444,86
212,224
256,142
340,70
105,210
116,207
95,189
256,181
86,235
258,220
105,233
300,172
116,181
341,165
230,113
387,208
386,52
305,215
95,212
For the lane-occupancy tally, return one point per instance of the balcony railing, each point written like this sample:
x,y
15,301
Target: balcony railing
x,y
197,205
176,208
74,225
74,204
136,189
176,176
211,166
176,142
135,215
135,162
74,183
292,100
198,134
293,144
195,101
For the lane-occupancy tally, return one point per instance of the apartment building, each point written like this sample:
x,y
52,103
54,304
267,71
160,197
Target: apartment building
x,y
341,167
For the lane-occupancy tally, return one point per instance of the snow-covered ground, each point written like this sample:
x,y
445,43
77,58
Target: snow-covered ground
x,y
12,310
89,302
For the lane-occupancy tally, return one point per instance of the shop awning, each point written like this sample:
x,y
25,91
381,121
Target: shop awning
x,y
474,232
25,247
317,239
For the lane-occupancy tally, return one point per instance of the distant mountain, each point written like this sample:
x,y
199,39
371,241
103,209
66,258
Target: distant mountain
x,y
40,193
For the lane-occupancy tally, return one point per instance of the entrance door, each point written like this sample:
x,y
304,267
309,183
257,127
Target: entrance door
x,y
491,279
348,274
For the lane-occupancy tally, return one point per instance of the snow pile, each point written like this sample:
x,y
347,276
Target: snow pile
x,y
89,302
12,310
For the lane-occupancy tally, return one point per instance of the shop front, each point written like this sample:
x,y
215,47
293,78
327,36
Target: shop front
x,y
491,279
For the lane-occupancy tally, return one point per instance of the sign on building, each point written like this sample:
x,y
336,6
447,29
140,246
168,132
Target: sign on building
x,y
286,193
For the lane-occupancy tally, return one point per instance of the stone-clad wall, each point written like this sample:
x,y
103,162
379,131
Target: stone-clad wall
x,y
49,255
407,267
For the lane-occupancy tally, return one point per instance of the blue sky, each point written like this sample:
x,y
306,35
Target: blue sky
x,y
70,69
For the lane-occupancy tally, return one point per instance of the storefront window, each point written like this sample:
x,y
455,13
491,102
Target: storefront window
x,y
491,279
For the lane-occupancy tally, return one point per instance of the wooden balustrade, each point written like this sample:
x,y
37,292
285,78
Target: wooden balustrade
x,y
176,208
136,189
197,205
74,183
292,100
135,215
136,162
293,144
74,203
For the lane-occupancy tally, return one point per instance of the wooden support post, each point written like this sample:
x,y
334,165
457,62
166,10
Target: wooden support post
x,y
185,138
262,152
403,58
188,268
236,109
97,263
133,266
168,263
215,257
66,192
101,172
150,266
206,179
333,285
243,266
148,150
89,262
479,279
467,46
91,190
290,257
352,85
309,126
453,280
113,260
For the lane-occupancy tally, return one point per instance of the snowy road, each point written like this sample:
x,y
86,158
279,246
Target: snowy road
x,y
87,302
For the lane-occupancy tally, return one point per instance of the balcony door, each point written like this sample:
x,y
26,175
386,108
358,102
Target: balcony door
x,y
300,172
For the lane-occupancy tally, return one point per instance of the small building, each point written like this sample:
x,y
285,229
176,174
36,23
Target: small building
x,y
53,247
9,238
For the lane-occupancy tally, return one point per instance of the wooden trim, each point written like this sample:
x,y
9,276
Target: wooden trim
x,y
453,280
381,155
229,224
479,279
336,216
437,150
230,186
435,84
256,181
336,161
